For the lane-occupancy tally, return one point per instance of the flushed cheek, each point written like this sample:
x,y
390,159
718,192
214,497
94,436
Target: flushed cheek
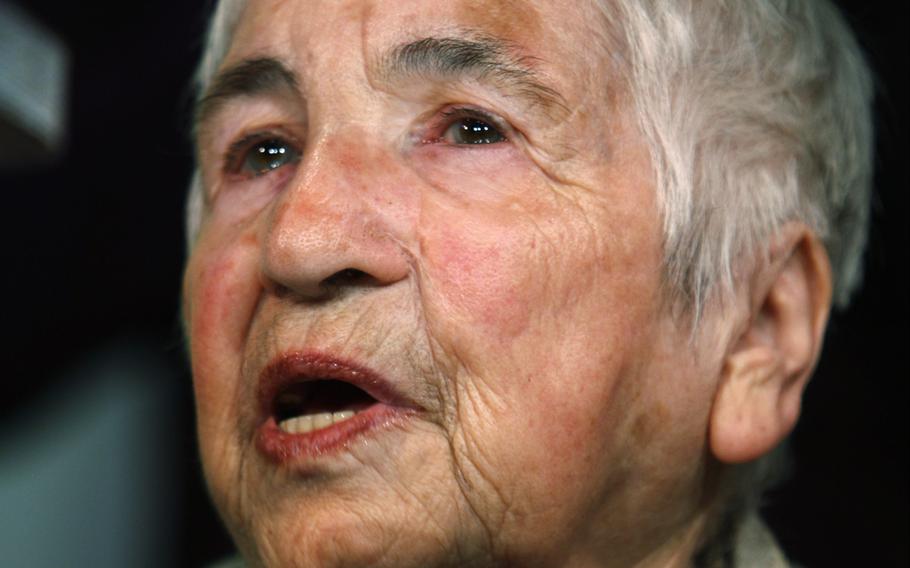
x,y
481,282
222,287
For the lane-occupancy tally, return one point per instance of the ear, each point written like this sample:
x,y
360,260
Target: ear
x,y
764,373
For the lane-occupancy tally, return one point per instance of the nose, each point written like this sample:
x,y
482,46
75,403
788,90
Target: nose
x,y
326,234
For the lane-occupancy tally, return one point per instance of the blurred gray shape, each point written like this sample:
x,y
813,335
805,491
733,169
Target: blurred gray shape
x,y
88,475
33,81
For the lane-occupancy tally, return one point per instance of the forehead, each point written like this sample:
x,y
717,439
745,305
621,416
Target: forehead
x,y
554,34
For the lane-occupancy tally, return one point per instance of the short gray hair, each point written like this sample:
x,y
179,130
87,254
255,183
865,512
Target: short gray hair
x,y
217,42
757,112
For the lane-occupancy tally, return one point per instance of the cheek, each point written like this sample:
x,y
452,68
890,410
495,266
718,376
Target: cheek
x,y
222,288
480,281
213,288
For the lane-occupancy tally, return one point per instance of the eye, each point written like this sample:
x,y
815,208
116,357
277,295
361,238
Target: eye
x,y
469,128
255,156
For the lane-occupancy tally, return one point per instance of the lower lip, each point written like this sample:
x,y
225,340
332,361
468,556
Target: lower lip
x,y
283,447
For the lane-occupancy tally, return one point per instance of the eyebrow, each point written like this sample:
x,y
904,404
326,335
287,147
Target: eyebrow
x,y
477,56
483,58
248,78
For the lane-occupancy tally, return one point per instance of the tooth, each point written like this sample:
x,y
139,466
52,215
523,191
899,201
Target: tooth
x,y
322,420
304,424
341,416
288,425
299,424
310,422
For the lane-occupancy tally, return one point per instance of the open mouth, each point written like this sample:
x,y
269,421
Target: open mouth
x,y
313,405
303,407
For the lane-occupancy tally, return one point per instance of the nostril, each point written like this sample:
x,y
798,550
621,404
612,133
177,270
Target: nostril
x,y
347,277
327,289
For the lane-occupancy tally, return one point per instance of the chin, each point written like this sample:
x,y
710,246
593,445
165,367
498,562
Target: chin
x,y
344,534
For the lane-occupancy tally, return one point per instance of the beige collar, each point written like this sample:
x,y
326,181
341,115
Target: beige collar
x,y
755,546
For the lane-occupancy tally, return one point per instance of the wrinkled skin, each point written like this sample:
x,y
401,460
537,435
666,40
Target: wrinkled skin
x,y
512,290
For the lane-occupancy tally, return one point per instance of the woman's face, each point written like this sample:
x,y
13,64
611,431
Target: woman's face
x,y
453,245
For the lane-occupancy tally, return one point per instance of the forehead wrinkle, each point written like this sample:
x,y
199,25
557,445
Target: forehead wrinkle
x,y
470,54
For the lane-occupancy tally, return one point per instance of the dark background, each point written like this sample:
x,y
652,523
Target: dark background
x,y
93,249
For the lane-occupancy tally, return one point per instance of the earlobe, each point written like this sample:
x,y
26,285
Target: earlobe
x,y
759,391
751,412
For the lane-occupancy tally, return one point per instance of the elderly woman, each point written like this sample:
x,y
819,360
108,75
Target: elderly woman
x,y
515,283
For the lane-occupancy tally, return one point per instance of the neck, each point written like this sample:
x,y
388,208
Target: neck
x,y
676,550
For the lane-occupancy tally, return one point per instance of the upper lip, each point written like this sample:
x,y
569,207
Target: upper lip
x,y
301,366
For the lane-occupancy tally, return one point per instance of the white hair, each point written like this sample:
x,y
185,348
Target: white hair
x,y
217,42
756,113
